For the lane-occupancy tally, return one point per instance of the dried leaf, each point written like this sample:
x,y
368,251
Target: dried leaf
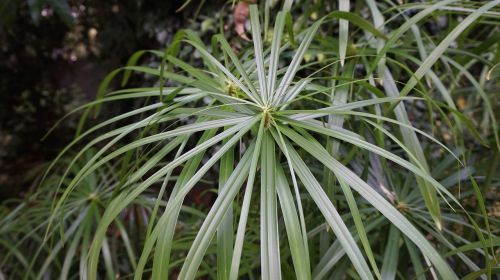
x,y
241,13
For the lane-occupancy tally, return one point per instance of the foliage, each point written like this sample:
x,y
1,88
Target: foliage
x,y
319,104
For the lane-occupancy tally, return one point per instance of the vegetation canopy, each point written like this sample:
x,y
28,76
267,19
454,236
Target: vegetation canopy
x,y
321,168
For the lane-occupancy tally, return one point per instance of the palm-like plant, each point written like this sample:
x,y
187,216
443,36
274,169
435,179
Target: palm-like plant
x,y
397,252
31,252
258,121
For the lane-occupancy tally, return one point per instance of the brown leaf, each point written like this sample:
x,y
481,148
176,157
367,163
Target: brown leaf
x,y
241,13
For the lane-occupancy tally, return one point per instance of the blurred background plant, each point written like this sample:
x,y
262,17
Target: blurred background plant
x,y
53,56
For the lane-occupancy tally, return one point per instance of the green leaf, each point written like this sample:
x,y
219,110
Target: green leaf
x,y
476,274
221,67
300,255
332,256
269,239
161,259
328,210
402,29
295,63
357,20
391,255
344,6
397,219
237,63
122,200
225,232
215,216
259,59
275,52
245,207
355,139
356,216
411,141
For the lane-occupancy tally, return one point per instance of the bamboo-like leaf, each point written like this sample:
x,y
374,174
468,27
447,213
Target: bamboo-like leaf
x,y
166,180
329,211
444,44
71,253
335,252
411,141
287,4
356,20
482,207
454,156
405,27
415,259
73,229
360,228
378,22
295,63
275,53
228,73
476,274
245,207
376,200
482,94
215,216
269,239
234,59
312,114
122,200
344,6
161,258
259,58
358,141
293,92
91,165
299,252
305,268
391,255
166,225
225,232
